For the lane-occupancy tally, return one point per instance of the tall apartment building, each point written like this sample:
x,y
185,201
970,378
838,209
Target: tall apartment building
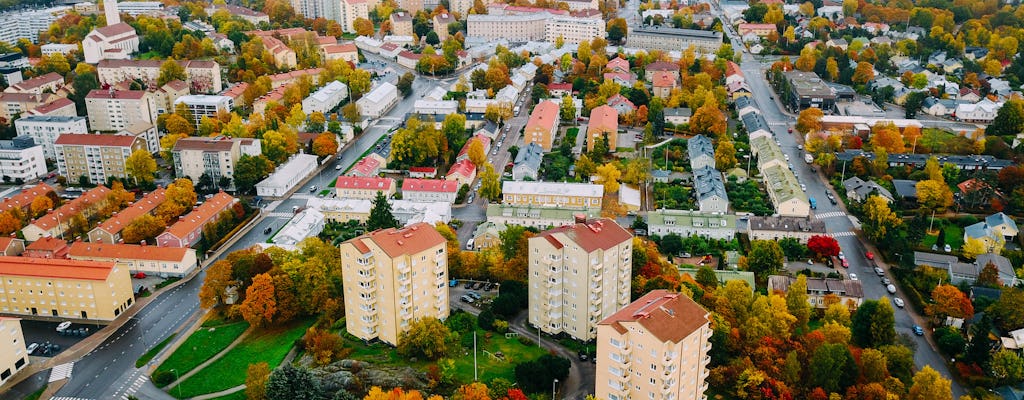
x,y
524,24
255,17
26,24
88,290
401,24
313,9
13,355
97,157
543,125
392,277
112,110
216,157
352,9
573,29
44,129
673,39
202,76
579,274
21,160
204,105
655,348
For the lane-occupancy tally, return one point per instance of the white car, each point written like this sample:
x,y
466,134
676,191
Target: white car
x,y
853,277
890,288
898,302
841,255
799,147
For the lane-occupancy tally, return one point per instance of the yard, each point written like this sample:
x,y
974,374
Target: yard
x,y
953,235
490,365
212,338
268,345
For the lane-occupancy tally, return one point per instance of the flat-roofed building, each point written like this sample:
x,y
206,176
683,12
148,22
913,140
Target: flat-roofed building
x,y
666,331
673,39
573,29
13,354
363,187
216,157
21,159
205,106
96,157
109,231
604,125
578,275
326,98
536,216
542,126
686,223
287,176
187,231
807,90
84,290
776,228
150,260
392,277
552,194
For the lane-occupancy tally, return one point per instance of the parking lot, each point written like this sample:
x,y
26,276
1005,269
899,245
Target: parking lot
x,y
43,332
456,292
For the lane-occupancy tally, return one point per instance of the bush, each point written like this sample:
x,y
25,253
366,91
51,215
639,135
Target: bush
x,y
950,341
163,378
485,320
500,326
525,341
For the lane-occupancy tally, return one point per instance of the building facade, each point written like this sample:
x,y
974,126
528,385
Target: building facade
x,y
202,76
82,290
205,106
13,355
686,223
672,39
113,110
360,187
97,157
552,194
44,130
429,190
392,277
543,125
21,160
109,231
378,101
189,228
215,157
578,275
151,260
604,125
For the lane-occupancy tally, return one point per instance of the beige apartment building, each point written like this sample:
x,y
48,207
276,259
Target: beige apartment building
x,y
392,277
401,24
97,157
201,76
543,125
552,194
13,356
579,274
352,9
151,260
655,348
60,288
216,157
113,110
363,187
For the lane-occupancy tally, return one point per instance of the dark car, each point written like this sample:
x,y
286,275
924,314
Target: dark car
x,y
268,230
479,285
468,285
488,287
833,200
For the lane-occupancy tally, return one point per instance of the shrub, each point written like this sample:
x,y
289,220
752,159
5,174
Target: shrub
x,y
163,378
525,341
500,326
485,320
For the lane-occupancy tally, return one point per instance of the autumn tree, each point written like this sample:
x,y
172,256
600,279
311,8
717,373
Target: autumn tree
x,y
249,170
170,70
477,154
608,175
765,258
725,155
973,247
256,381
141,166
380,215
880,220
363,27
40,205
472,391
351,112
9,223
178,125
490,183
426,337
708,120
323,345
809,120
934,195
259,305
1007,366
823,246
887,136
949,301
567,109
929,385
864,73
325,144
218,278
989,276
833,367
179,197
145,227
796,301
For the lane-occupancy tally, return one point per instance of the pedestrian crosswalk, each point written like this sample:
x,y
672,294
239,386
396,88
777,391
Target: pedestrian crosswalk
x,y
134,387
61,371
830,214
68,398
842,234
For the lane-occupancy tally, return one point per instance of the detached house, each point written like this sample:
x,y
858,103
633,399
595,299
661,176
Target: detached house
x,y
995,229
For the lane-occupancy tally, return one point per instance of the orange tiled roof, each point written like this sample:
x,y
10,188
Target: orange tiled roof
x,y
55,268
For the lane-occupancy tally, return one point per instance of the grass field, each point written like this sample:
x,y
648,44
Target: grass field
x,y
269,345
152,352
490,366
954,236
201,345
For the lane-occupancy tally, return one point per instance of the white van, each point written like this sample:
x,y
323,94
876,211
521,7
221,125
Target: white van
x,y
469,244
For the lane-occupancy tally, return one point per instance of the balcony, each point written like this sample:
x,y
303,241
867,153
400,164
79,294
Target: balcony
x,y
707,347
403,269
597,267
366,278
668,359
440,268
369,319
369,331
596,300
367,288
596,278
368,301
551,283
595,312
707,360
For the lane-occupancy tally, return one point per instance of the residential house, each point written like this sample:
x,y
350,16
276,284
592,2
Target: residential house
x,y
709,188
960,272
618,64
346,51
542,126
658,68
678,116
539,217
378,101
663,84
423,172
784,191
619,102
996,230
859,190
527,163
776,228
487,235
701,152
368,166
47,247
11,246
187,231
848,291
463,172
430,190
983,111
686,223
109,231
150,260
603,125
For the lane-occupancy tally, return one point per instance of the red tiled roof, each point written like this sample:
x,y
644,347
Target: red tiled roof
x,y
340,48
664,79
618,98
426,170
52,106
23,199
5,242
545,115
429,185
71,208
668,316
626,76
115,94
662,66
38,81
412,239
464,168
203,214
364,182
85,139
51,268
560,86
388,46
732,68
236,91
486,141
409,55
604,118
595,234
47,244
618,62
367,166
144,206
126,252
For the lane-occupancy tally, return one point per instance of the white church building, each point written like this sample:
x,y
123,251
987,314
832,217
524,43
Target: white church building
x,y
116,41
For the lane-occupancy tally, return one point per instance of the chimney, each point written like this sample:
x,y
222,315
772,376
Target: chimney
x,y
110,10
580,218
142,243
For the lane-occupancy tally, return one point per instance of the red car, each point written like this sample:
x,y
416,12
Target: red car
x,y
846,264
139,275
870,255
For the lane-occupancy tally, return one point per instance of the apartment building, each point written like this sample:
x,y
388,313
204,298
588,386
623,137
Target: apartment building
x,y
255,17
573,29
656,348
44,130
326,98
151,260
579,274
50,49
113,110
401,24
50,82
23,199
352,9
57,222
429,190
14,104
216,157
543,125
148,134
378,101
776,228
109,231
673,39
205,106
202,76
87,290
552,194
603,125
516,28
363,187
189,228
441,22
785,193
848,292
686,223
13,354
26,24
392,277
21,160
96,157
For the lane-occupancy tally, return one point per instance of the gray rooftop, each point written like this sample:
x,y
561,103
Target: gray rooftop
x,y
708,182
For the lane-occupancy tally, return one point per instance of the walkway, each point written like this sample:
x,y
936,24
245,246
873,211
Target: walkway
x,y
215,357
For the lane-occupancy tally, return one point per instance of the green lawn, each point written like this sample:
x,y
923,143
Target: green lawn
x,y
490,367
954,236
153,352
204,343
270,346
239,395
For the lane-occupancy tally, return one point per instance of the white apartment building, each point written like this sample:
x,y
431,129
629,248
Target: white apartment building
x,y
287,176
202,76
149,135
13,355
21,159
573,29
203,105
515,28
137,8
44,129
655,348
26,24
579,274
326,98
378,101
436,107
216,157
392,277
112,110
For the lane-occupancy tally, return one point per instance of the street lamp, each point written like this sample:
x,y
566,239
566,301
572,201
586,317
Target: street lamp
x,y
747,156
553,383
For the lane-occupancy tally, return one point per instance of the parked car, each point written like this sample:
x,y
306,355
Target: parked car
x,y
853,277
479,285
337,167
32,348
488,287
886,281
947,248
63,326
139,275
918,330
841,255
468,285
832,200
879,271
897,301
890,288
474,295
466,299
870,255
268,230
312,188
453,283
846,264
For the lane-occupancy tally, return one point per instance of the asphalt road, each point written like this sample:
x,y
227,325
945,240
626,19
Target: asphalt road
x,y
837,222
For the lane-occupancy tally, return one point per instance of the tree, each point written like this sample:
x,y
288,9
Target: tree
x,y
708,120
706,277
873,365
796,301
358,83
1007,366
929,385
879,218
40,205
873,324
765,258
567,110
949,301
536,376
608,175
989,276
144,227
490,183
170,70
405,84
316,122
914,102
617,29
973,247
823,246
864,73
288,382
725,155
472,391
256,377
218,278
380,215
809,120
325,144
477,154
363,27
1009,119
934,195
426,337
432,38
141,166
887,136
249,170
259,305
323,345
832,367
9,223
